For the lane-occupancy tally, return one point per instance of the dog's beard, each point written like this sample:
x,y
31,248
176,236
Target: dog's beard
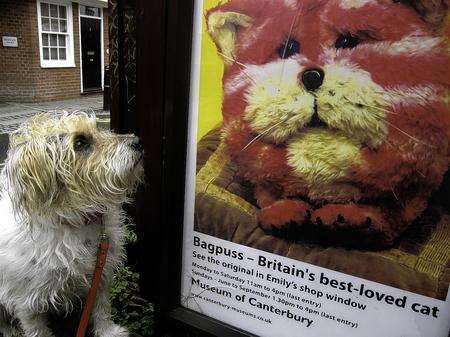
x,y
107,184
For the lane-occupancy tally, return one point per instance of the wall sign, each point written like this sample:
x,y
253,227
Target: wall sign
x,y
10,41
319,141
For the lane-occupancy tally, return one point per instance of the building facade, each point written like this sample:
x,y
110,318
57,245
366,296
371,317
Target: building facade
x,y
52,49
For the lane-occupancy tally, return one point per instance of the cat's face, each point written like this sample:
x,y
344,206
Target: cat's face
x,y
348,65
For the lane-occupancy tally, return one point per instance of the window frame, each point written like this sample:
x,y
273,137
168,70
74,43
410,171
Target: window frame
x,y
69,62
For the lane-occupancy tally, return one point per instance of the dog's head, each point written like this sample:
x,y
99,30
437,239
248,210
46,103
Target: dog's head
x,y
362,67
66,166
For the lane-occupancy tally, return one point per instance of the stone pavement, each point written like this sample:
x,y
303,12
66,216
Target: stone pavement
x,y
13,114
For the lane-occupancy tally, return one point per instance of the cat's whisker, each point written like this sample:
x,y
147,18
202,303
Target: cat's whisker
x,y
262,134
406,134
418,141
395,194
294,22
391,145
422,175
232,59
402,96
371,106
397,198
397,148
243,66
378,108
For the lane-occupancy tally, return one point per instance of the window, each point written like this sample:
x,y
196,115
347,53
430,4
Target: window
x,y
90,11
55,34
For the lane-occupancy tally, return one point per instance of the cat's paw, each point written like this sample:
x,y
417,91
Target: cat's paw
x,y
368,225
351,216
348,216
283,212
114,331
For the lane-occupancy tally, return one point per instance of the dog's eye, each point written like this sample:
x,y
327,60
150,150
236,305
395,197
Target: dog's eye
x,y
81,143
346,41
289,48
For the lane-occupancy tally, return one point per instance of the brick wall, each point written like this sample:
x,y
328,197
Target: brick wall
x,y
21,77
16,69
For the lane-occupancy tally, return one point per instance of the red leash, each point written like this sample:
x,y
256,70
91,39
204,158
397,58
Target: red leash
x,y
102,253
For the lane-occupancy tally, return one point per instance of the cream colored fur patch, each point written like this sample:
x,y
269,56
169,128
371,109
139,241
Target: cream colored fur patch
x,y
410,45
349,4
277,105
350,101
321,156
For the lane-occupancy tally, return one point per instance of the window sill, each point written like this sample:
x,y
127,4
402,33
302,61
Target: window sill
x,y
55,65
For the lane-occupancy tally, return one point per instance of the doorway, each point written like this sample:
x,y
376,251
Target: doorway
x,y
91,48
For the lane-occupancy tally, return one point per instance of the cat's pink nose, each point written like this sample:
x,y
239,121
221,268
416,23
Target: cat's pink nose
x,y
312,79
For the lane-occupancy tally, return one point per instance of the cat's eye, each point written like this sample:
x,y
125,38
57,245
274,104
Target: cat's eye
x,y
81,142
288,48
346,41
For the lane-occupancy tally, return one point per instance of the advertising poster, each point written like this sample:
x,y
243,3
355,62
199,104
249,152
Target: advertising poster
x,y
317,187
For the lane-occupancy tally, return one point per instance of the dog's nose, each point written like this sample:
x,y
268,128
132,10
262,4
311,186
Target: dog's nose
x,y
312,79
137,144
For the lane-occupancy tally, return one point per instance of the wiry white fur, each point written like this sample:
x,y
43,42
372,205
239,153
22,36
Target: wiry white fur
x,y
48,246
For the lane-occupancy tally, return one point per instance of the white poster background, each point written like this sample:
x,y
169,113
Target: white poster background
x,y
264,305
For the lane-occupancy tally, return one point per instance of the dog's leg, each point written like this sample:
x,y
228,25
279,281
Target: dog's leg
x,y
33,324
103,324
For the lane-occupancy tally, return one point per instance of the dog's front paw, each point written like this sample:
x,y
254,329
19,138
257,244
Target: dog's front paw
x,y
114,331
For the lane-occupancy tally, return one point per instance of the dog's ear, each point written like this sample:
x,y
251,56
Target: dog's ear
x,y
434,12
31,175
223,27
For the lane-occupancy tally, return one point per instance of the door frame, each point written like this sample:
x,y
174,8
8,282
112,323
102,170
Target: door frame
x,y
102,50
163,80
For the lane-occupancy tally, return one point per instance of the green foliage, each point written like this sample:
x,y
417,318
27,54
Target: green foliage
x,y
128,308
131,236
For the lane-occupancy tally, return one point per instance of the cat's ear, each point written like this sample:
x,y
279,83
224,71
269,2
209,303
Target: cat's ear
x,y
433,12
223,26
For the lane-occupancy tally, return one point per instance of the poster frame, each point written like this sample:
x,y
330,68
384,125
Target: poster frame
x,y
163,91
165,29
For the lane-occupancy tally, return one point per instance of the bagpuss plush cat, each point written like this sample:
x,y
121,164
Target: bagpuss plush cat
x,y
336,110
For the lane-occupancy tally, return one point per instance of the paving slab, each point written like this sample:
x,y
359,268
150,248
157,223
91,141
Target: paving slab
x,y
13,114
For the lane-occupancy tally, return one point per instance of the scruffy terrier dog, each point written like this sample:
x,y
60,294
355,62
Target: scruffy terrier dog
x,y
63,184
336,110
